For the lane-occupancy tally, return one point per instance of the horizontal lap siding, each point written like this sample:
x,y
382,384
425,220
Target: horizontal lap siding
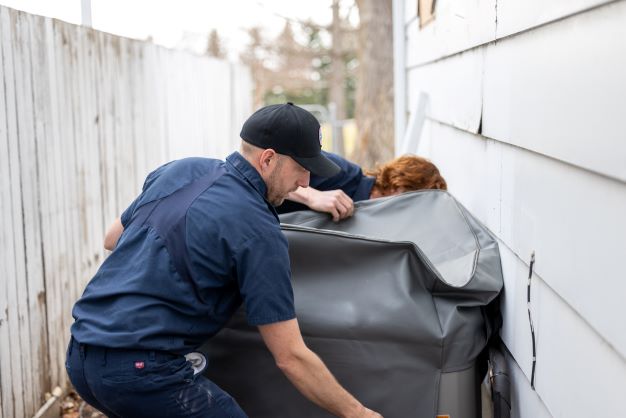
x,y
524,401
459,25
567,98
516,16
570,217
518,195
462,25
577,373
453,89
527,132
84,116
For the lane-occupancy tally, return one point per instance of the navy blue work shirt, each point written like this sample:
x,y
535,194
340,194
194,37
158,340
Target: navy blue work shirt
x,y
198,241
350,179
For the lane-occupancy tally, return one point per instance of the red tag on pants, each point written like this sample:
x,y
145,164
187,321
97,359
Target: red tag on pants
x,y
139,365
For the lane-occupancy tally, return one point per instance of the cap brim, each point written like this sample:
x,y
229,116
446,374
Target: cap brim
x,y
319,165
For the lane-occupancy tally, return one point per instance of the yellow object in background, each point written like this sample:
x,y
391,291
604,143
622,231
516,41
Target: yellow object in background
x,y
327,137
349,137
350,133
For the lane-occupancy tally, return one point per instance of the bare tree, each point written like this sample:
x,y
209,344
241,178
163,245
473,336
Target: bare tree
x,y
374,97
254,56
294,69
336,93
214,45
282,68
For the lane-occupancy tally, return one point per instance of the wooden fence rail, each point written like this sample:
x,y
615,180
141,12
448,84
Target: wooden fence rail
x,y
84,116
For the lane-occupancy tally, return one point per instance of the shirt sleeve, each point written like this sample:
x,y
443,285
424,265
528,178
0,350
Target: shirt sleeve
x,y
350,179
264,277
128,213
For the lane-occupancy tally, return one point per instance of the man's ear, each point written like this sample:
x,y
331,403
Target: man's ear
x,y
267,159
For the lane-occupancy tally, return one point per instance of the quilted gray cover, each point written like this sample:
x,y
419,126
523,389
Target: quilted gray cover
x,y
389,299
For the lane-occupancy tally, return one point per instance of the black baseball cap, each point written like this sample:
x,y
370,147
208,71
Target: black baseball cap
x,y
290,130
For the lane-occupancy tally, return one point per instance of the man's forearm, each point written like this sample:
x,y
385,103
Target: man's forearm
x,y
300,195
308,373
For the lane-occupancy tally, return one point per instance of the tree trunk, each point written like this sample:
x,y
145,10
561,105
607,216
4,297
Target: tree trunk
x,y
374,96
337,79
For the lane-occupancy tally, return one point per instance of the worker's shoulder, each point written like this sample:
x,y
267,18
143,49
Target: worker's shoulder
x,y
190,167
234,201
176,175
234,216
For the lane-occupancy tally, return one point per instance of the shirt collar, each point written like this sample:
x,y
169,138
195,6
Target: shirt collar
x,y
243,167
248,172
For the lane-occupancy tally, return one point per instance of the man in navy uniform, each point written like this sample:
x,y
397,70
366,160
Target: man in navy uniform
x,y
201,239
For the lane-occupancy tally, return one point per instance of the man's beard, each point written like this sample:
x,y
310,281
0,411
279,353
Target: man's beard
x,y
272,194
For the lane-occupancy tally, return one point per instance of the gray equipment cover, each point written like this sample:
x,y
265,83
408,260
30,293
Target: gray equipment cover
x,y
390,299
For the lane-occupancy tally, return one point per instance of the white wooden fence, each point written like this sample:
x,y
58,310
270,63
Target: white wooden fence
x,y
524,103
84,116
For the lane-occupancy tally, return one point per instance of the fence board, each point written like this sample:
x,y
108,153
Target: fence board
x,y
41,107
106,122
44,88
57,256
15,268
66,75
33,300
6,240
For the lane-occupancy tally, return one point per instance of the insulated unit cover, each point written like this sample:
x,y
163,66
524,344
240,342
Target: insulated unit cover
x,y
393,300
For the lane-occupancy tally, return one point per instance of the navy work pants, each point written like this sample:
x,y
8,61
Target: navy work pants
x,y
140,383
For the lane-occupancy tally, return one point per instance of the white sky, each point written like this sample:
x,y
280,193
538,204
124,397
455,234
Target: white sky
x,y
185,23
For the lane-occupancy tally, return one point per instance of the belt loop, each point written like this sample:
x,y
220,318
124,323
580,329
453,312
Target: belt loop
x,y
152,356
71,347
105,351
81,349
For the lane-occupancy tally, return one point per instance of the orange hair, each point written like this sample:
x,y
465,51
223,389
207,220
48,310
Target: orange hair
x,y
407,173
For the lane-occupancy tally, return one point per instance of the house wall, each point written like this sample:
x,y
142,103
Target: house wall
x,y
523,112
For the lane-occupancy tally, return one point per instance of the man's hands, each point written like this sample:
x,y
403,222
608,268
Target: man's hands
x,y
366,413
336,202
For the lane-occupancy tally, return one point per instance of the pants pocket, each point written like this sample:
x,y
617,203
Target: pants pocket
x,y
153,377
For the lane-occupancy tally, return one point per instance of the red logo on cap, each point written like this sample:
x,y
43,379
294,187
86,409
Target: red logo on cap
x,y
139,365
